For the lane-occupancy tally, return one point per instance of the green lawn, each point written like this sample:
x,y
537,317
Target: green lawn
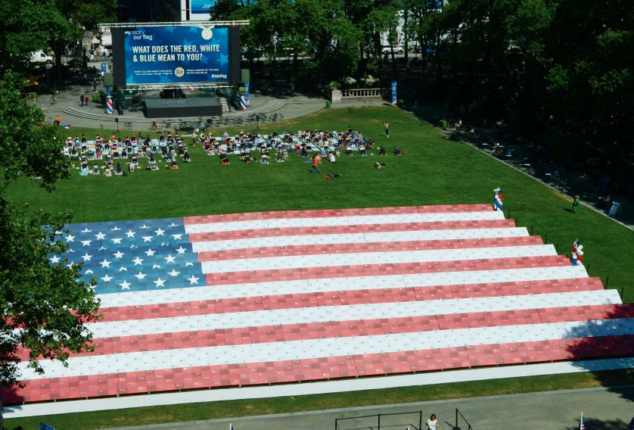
x,y
433,171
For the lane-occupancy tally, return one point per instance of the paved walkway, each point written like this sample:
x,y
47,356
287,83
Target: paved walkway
x,y
606,409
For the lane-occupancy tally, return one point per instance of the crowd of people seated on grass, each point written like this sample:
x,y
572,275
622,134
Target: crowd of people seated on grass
x,y
127,151
329,145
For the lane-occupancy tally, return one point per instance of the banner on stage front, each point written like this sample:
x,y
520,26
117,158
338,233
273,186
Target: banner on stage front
x,y
247,93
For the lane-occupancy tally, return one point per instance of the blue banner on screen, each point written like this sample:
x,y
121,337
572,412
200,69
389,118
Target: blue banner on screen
x,y
247,93
202,6
393,93
173,55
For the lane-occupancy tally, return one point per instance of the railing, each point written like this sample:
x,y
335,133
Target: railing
x,y
378,420
457,426
361,93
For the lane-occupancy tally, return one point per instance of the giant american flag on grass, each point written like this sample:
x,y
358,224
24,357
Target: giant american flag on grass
x,y
282,297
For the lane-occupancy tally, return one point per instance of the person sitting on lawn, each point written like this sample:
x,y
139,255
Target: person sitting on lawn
x,y
119,171
333,176
186,157
224,159
108,173
378,165
265,156
331,157
382,151
95,170
397,151
84,169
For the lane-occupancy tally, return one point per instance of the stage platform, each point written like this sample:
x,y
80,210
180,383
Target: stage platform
x,y
175,108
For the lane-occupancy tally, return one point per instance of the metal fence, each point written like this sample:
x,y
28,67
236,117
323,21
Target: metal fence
x,y
399,420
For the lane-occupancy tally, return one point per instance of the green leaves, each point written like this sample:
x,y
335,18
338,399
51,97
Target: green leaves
x,y
42,306
27,147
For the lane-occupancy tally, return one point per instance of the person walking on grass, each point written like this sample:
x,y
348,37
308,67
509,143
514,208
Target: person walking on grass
x,y
387,129
316,161
575,203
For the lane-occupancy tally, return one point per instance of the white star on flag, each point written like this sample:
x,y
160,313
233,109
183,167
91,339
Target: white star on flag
x,y
86,230
70,238
188,264
123,269
159,283
115,229
100,236
137,261
89,272
70,265
181,250
150,253
86,257
144,226
173,273
107,278
85,242
116,241
105,263
170,259
147,238
159,232
156,266
118,254
140,275
130,233
193,280
55,259
125,285
177,236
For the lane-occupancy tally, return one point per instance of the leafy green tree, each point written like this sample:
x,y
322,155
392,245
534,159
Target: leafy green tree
x,y
43,306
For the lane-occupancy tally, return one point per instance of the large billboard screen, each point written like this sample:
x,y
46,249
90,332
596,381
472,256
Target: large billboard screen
x,y
176,55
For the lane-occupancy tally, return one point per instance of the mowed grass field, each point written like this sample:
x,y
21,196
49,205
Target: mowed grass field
x,y
431,171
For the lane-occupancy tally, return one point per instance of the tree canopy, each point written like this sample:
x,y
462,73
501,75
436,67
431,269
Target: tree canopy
x,y
43,304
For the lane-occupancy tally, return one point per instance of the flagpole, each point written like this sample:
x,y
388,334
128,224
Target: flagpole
x,y
581,426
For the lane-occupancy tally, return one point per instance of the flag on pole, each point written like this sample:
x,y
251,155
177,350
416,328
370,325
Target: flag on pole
x,y
109,105
581,426
394,92
265,298
243,103
247,93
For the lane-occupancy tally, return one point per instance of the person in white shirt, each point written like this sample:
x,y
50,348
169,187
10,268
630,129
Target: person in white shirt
x,y
432,423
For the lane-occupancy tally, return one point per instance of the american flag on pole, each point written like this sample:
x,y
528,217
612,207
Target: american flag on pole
x,y
281,297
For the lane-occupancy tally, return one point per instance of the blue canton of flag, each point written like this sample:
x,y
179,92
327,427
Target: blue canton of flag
x,y
133,255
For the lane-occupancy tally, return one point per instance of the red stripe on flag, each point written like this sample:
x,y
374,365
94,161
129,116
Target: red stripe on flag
x,y
336,367
384,269
327,213
353,297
